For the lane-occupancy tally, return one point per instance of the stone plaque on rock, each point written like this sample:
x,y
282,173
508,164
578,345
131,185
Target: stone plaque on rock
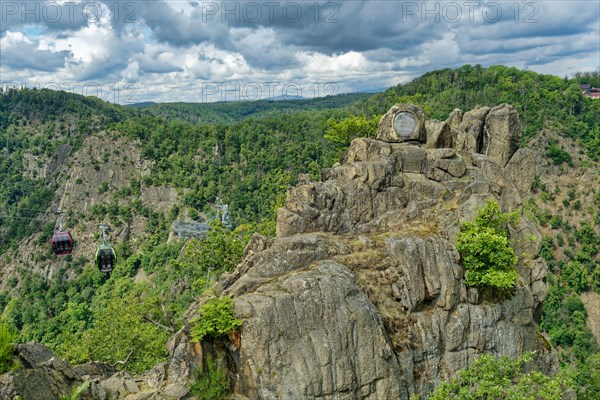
x,y
403,123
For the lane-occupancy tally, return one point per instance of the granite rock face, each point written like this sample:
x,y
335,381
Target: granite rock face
x,y
361,294
501,133
44,376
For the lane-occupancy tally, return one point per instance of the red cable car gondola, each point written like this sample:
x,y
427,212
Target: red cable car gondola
x,y
62,243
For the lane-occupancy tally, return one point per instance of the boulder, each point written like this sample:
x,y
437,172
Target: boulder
x,y
41,375
444,135
522,168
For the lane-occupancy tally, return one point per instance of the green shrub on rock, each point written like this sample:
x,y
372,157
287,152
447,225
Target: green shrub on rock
x,y
216,319
485,250
213,383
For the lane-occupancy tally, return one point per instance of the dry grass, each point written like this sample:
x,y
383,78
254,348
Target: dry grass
x,y
375,274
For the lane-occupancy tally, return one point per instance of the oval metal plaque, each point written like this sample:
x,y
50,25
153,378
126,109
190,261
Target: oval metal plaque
x,y
405,123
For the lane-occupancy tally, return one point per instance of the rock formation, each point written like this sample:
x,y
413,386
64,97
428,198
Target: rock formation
x,y
361,295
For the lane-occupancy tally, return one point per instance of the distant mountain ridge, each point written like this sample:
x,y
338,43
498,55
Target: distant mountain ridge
x,y
234,111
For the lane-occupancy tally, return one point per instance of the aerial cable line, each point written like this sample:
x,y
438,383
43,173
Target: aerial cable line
x,y
18,217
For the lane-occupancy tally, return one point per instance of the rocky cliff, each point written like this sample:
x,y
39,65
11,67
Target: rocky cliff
x,y
361,295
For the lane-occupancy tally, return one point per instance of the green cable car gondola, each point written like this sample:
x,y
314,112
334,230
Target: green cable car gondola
x,y
106,257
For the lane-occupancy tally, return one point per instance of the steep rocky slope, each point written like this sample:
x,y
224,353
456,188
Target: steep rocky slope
x,y
361,295
106,164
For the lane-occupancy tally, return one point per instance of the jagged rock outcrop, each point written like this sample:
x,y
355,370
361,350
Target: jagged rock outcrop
x,y
44,376
501,133
361,295
305,330
470,130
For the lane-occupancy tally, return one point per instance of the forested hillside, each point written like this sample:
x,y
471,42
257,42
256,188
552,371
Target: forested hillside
x,y
227,112
247,154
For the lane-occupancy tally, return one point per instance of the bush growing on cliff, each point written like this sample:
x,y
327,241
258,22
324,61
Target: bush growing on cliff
x,y
485,250
216,319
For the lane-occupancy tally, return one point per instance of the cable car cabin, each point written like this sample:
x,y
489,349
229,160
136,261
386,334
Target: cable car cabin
x,y
62,243
106,258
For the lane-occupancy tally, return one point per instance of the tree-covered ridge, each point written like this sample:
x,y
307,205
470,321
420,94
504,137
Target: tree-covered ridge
x,y
248,163
229,112
18,106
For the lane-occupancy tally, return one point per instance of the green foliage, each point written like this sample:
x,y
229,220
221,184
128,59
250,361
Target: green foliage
x,y
485,250
212,384
248,164
103,188
564,318
124,332
220,250
588,379
232,112
351,127
216,319
558,155
7,342
502,378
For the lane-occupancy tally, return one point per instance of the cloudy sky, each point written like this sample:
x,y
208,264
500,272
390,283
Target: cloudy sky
x,y
156,50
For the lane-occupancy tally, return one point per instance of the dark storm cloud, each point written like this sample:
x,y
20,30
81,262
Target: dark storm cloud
x,y
178,29
341,26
